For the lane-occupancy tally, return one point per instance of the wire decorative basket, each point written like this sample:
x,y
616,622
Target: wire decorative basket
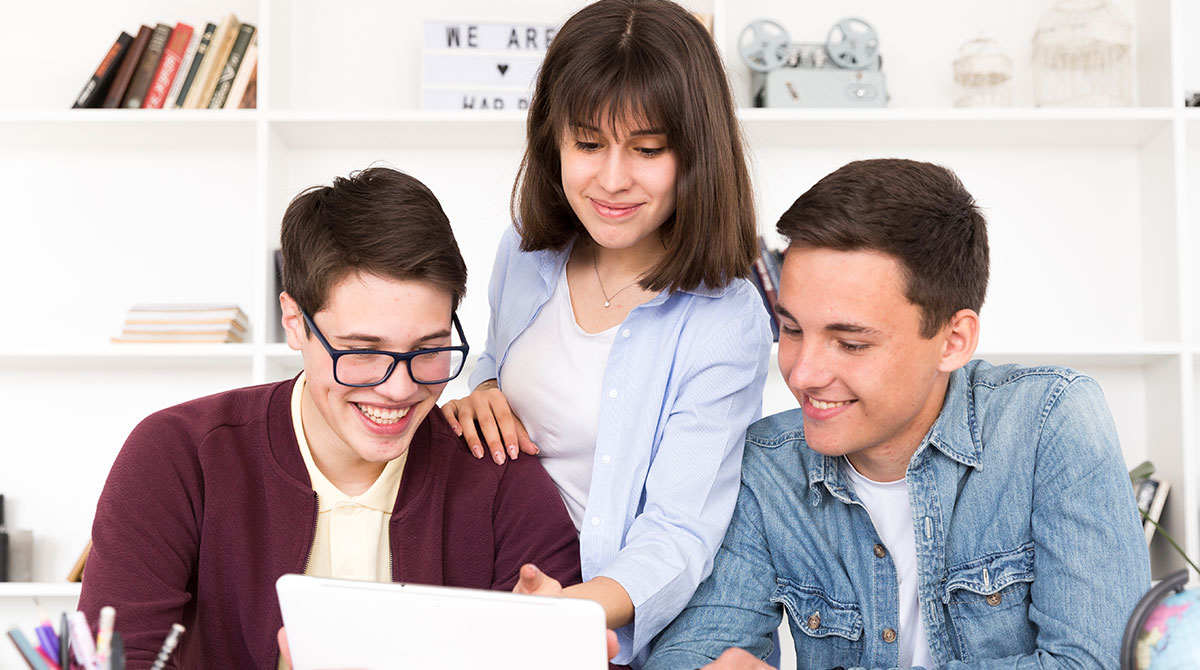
x,y
1082,56
983,74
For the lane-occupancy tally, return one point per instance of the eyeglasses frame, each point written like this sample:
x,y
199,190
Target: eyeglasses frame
x,y
397,357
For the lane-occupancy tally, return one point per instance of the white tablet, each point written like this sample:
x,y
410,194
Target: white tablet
x,y
335,623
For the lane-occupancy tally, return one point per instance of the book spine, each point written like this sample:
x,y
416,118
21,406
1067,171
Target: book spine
x,y
229,72
146,67
214,60
93,91
250,97
168,67
197,60
245,69
120,84
184,65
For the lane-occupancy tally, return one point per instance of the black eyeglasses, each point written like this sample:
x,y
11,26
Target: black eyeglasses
x,y
369,367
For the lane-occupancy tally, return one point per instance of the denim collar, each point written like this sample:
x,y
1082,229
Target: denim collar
x,y
550,263
951,434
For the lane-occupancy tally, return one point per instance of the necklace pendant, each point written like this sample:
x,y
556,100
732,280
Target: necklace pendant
x,y
606,303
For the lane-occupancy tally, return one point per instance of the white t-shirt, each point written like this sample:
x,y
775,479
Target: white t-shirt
x,y
552,379
891,513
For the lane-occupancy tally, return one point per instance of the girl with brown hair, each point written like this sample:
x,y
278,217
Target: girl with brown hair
x,y
626,348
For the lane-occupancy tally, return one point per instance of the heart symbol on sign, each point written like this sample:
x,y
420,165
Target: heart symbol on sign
x,y
503,67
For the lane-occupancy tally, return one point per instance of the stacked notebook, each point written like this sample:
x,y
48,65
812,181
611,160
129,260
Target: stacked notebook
x,y
184,323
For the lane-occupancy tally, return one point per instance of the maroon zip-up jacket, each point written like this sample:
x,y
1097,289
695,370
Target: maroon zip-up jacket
x,y
209,502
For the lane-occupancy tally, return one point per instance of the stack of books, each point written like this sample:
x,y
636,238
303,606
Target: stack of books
x,y
178,68
184,323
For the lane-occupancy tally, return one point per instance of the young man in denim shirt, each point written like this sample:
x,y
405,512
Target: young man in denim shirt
x,y
920,509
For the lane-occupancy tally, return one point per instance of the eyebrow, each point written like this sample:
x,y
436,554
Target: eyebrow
x,y
376,340
636,133
833,327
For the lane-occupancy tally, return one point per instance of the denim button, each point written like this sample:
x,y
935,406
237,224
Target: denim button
x,y
595,521
994,599
626,333
880,552
612,393
814,621
606,459
889,635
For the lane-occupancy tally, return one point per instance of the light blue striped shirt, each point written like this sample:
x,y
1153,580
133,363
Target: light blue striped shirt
x,y
683,381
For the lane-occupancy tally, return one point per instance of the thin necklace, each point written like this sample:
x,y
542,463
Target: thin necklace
x,y
607,298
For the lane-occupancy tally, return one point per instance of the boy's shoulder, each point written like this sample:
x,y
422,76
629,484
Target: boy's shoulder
x,y
232,408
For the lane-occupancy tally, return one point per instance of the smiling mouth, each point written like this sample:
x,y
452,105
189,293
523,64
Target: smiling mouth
x,y
613,209
382,416
820,404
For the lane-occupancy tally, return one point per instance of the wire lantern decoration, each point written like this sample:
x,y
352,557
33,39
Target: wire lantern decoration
x,y
1082,56
983,73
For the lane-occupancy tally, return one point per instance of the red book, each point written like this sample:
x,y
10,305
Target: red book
x,y
168,67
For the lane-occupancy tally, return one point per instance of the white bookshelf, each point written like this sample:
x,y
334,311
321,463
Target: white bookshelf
x,y
1092,225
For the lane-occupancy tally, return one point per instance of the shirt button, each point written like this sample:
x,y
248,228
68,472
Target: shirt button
x,y
626,333
889,635
814,621
994,599
880,552
595,521
606,458
612,393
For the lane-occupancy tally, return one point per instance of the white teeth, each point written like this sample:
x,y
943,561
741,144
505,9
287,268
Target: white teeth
x,y
827,405
382,416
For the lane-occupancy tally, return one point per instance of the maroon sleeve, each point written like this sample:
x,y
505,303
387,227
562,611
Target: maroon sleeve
x,y
145,537
531,525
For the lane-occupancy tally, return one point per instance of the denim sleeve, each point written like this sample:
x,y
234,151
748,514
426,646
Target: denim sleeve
x,y
692,482
733,607
486,366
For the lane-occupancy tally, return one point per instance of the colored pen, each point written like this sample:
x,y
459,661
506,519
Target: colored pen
x,y
32,659
45,632
118,652
46,657
81,640
64,643
108,616
168,646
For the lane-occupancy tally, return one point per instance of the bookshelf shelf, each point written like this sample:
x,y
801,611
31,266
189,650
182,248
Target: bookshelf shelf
x,y
1094,225
40,589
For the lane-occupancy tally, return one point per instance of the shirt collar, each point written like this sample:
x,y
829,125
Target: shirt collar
x,y
381,496
950,434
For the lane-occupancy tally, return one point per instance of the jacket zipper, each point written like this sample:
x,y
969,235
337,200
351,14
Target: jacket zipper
x,y
316,516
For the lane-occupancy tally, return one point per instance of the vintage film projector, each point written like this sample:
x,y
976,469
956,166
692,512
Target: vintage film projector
x,y
845,71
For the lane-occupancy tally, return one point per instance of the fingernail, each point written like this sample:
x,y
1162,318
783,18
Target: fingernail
x,y
458,431
512,451
498,456
536,450
477,451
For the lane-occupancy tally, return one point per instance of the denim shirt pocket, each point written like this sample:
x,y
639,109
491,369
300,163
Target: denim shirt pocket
x,y
827,632
988,603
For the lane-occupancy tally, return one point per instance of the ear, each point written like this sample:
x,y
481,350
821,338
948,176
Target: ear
x,y
293,321
960,337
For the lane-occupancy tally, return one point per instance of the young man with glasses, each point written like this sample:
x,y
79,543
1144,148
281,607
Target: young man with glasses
x,y
345,471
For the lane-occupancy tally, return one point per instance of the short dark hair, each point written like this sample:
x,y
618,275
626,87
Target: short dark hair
x,y
650,61
376,221
918,213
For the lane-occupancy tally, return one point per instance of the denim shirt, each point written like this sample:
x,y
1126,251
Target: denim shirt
x,y
682,382
1029,547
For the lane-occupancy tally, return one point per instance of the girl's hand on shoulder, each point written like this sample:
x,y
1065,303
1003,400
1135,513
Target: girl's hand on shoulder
x,y
486,412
